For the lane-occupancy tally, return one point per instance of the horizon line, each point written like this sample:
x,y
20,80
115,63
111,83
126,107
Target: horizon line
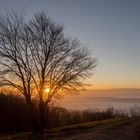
x,y
114,89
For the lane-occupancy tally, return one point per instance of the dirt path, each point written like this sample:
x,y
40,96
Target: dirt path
x,y
122,131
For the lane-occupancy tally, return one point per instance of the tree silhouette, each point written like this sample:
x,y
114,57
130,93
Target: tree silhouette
x,y
35,54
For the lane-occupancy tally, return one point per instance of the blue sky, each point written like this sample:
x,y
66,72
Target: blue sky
x,y
110,28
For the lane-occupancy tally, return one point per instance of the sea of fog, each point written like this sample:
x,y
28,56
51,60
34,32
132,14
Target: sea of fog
x,y
123,99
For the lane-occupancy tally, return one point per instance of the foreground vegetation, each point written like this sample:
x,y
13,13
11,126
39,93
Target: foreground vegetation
x,y
65,132
56,132
14,115
59,122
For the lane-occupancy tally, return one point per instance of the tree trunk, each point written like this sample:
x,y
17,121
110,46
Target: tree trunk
x,y
30,112
42,115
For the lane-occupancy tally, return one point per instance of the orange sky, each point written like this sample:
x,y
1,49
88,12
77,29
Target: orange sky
x,y
97,82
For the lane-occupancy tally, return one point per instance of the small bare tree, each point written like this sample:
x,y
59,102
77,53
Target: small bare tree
x,y
35,55
14,56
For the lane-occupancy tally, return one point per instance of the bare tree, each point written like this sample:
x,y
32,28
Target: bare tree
x,y
14,56
35,55
59,63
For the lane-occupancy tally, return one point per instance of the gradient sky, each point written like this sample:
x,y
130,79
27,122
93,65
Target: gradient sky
x,y
110,28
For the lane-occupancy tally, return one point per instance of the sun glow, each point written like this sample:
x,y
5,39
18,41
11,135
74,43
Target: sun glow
x,y
47,90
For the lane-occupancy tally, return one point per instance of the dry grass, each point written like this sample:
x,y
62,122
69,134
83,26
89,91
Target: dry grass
x,y
65,130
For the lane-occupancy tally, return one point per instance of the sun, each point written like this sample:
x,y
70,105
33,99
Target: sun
x,y
47,90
